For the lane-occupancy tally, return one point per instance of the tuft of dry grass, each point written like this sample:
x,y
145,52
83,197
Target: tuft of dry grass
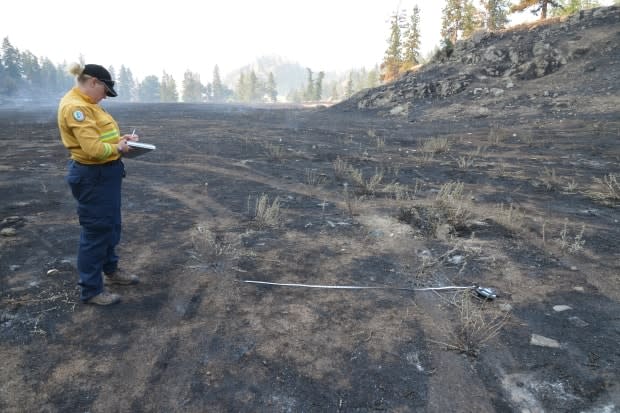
x,y
274,152
398,191
510,217
267,215
314,178
550,179
572,244
341,168
465,162
606,190
451,201
214,247
351,201
476,324
365,187
435,146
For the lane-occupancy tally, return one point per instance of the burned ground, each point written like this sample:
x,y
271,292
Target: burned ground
x,y
515,191
192,337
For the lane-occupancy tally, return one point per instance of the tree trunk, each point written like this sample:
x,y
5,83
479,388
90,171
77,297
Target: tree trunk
x,y
543,14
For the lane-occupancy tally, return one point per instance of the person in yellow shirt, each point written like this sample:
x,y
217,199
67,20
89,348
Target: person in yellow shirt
x,y
95,173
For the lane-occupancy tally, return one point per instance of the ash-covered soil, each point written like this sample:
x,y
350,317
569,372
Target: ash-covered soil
x,y
523,204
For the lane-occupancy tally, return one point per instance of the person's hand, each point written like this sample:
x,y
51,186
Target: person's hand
x,y
122,145
130,137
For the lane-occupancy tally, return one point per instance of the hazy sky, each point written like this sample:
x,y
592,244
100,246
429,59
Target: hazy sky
x,y
182,34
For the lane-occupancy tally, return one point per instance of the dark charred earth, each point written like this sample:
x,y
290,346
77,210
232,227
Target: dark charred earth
x,y
518,197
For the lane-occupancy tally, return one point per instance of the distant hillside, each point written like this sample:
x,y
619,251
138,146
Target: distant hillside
x,y
561,66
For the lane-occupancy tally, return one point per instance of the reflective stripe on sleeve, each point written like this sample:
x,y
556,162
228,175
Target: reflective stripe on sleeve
x,y
113,134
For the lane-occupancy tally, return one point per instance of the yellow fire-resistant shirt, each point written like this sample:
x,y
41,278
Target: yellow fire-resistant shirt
x,y
87,130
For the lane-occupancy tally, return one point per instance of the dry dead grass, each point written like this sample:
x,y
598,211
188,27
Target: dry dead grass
x,y
435,146
266,215
606,190
476,323
215,248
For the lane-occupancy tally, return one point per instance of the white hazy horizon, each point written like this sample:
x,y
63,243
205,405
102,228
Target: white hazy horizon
x,y
324,35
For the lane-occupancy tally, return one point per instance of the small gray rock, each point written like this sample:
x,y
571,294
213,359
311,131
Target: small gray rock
x,y
8,232
542,341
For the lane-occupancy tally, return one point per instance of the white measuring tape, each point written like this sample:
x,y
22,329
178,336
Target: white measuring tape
x,y
356,287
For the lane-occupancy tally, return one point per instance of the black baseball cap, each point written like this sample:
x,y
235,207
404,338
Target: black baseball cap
x,y
101,73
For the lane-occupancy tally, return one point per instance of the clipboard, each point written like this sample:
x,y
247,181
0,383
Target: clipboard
x,y
137,149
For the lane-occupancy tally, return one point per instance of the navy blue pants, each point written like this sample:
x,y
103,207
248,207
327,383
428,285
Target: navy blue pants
x,y
97,190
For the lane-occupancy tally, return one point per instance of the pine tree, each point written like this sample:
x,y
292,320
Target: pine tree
x,y
496,12
241,93
254,90
218,90
452,20
348,91
318,86
393,59
112,72
373,77
31,69
309,94
126,85
12,68
412,43
472,19
168,89
334,94
272,90
149,89
568,7
459,18
49,77
537,5
192,87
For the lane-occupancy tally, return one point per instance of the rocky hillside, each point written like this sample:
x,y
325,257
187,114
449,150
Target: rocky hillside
x,y
560,66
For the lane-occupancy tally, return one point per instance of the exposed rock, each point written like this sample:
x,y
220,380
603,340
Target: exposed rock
x,y
488,64
8,232
537,340
577,322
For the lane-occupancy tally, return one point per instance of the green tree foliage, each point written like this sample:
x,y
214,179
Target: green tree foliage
x,y
318,86
495,14
348,91
452,19
472,19
309,94
217,87
459,17
149,89
334,95
537,6
112,72
241,89
126,85
411,44
168,89
568,7
192,87
31,69
393,58
272,89
12,70
254,87
373,77
50,76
